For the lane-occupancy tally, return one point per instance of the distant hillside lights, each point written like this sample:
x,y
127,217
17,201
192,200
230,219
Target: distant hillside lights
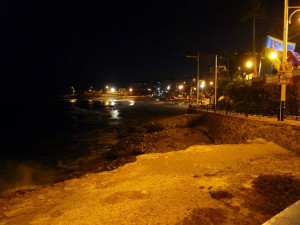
x,y
109,89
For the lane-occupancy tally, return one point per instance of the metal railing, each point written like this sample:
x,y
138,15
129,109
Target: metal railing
x,y
263,109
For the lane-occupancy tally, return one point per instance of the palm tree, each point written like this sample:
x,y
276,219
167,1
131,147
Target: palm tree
x,y
256,12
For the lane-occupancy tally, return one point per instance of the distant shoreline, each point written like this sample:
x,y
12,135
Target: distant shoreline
x,y
103,96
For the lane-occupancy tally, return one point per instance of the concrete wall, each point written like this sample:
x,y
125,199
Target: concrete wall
x,y
226,129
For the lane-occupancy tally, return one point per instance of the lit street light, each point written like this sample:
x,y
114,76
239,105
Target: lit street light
x,y
249,64
202,85
180,88
216,81
198,69
286,68
273,55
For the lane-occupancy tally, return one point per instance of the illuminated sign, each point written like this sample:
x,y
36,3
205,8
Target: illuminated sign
x,y
276,44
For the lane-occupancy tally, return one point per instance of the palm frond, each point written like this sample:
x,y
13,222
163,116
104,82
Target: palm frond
x,y
256,9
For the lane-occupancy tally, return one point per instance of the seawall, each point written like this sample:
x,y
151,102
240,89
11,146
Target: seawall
x,y
233,129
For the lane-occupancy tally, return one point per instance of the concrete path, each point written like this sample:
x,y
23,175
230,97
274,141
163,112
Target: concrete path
x,y
168,188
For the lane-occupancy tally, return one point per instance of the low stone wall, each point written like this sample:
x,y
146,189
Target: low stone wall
x,y
229,129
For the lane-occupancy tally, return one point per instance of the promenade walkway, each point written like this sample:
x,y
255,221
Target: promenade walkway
x,y
201,185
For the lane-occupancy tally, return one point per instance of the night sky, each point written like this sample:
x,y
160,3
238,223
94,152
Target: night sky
x,y
52,45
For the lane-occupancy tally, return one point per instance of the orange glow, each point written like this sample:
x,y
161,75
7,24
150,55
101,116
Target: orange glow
x,y
73,100
249,64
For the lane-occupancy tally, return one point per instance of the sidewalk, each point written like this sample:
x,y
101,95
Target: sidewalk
x,y
288,120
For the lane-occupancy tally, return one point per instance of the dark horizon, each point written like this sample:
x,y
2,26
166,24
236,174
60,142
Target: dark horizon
x,y
50,46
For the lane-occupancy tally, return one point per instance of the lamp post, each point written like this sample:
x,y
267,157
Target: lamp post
x,y
180,88
202,85
198,69
216,81
285,72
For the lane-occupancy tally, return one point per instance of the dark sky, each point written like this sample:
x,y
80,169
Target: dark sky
x,y
58,44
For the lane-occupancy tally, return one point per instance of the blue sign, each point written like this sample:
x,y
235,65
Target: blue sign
x,y
277,44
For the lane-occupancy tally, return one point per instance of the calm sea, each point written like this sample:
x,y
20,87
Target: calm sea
x,y
46,140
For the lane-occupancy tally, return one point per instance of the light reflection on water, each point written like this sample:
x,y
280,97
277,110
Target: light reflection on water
x,y
92,128
115,114
72,100
76,137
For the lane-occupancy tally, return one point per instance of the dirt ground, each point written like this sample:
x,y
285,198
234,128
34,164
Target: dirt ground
x,y
200,184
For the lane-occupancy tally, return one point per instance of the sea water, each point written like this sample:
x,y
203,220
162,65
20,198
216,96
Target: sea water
x,y
48,141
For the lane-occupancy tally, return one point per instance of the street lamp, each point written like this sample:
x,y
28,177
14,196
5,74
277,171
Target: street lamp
x,y
202,85
198,69
286,68
249,64
273,55
216,81
180,87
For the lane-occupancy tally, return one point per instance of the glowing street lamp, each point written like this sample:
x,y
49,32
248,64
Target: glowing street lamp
x,y
180,87
202,85
293,7
249,64
273,55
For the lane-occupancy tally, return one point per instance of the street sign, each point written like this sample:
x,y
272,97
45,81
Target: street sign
x,y
284,77
285,73
287,67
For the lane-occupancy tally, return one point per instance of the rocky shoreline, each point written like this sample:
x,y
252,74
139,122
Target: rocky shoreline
x,y
158,136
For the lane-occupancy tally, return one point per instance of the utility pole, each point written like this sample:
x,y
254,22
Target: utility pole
x,y
197,57
283,62
254,47
216,81
286,68
198,70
